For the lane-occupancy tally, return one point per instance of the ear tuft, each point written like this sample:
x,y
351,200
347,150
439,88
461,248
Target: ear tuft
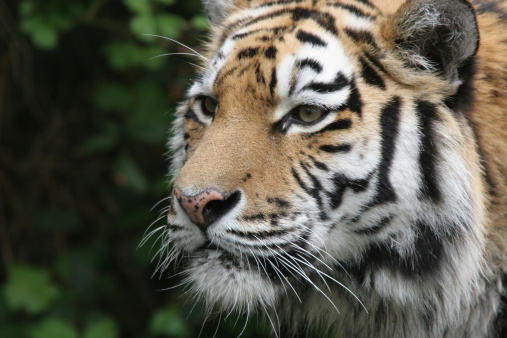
x,y
436,35
217,10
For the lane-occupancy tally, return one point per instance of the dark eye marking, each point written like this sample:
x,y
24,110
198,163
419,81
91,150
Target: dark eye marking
x,y
190,115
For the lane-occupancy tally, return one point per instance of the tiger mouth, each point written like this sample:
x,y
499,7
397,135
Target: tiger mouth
x,y
279,268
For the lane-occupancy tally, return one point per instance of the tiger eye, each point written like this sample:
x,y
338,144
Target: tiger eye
x,y
309,114
209,106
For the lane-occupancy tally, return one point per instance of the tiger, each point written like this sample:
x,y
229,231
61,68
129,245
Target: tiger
x,y
341,165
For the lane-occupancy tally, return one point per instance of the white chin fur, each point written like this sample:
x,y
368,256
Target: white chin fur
x,y
230,284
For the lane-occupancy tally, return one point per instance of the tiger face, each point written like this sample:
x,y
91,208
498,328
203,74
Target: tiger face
x,y
326,143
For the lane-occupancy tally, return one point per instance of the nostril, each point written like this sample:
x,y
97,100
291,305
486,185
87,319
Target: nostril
x,y
215,209
206,207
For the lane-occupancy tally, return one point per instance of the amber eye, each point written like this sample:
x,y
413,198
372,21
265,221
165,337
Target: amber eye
x,y
308,114
209,106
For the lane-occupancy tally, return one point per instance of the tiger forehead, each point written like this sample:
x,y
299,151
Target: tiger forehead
x,y
305,34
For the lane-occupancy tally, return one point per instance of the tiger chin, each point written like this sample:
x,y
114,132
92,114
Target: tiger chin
x,y
342,164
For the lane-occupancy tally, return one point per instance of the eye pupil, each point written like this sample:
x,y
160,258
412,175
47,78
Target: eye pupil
x,y
309,114
209,106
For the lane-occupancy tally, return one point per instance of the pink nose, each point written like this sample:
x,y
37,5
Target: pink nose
x,y
206,207
195,206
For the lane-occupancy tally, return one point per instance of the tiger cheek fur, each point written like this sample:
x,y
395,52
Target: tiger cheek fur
x,y
336,154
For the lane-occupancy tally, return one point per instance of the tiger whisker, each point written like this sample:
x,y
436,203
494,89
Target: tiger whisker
x,y
162,200
337,282
179,43
275,254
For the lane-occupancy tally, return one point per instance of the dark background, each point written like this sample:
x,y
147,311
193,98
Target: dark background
x,y
84,118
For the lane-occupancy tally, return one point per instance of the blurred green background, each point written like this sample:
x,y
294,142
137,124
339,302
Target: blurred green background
x,y
85,112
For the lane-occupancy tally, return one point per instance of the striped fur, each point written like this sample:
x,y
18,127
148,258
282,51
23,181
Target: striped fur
x,y
386,217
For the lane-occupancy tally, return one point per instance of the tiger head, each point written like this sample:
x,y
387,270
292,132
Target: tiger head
x,y
327,141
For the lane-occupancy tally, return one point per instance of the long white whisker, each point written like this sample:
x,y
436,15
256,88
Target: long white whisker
x,y
179,43
162,200
169,54
334,280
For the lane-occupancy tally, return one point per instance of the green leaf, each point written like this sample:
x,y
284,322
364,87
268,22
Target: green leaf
x,y
128,174
138,6
103,328
170,25
142,25
168,321
44,37
53,328
29,289
125,55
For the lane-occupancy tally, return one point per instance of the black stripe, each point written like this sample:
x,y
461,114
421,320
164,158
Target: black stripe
x,y
315,191
361,37
273,82
337,125
270,53
366,3
258,235
341,183
280,2
223,74
343,148
248,53
339,83
324,20
371,76
353,9
271,30
427,114
300,181
281,203
250,21
354,101
425,258
310,63
389,123
256,217
375,62
258,75
310,38
318,164
376,227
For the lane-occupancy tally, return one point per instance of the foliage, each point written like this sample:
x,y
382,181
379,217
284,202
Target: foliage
x,y
86,102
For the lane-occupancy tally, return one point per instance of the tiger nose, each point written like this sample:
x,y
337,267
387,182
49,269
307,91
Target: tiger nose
x,y
206,207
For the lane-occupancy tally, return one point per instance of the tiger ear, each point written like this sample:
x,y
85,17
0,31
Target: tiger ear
x,y
436,35
217,10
